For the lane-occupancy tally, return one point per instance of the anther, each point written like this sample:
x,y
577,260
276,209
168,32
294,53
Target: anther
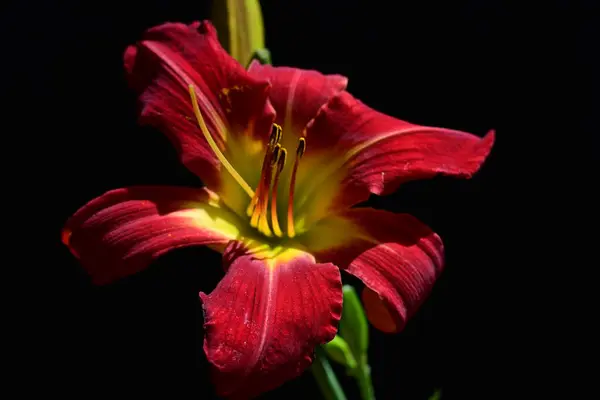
x,y
276,134
276,154
281,160
301,147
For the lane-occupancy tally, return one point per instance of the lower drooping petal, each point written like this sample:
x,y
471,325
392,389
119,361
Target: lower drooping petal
x,y
122,231
379,152
168,59
265,318
396,256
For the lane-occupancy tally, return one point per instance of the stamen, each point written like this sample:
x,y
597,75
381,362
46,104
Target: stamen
x,y
290,222
259,215
214,147
274,219
263,221
274,139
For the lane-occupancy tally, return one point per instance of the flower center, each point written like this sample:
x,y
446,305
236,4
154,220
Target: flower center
x,y
262,210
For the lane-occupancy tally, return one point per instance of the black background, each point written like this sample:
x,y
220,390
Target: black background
x,y
468,65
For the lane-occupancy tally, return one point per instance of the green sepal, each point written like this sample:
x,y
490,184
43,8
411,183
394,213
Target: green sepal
x,y
263,56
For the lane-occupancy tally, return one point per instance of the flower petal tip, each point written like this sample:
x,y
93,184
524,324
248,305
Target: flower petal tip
x,y
378,313
489,139
480,153
254,64
486,144
397,257
129,58
122,231
66,236
204,26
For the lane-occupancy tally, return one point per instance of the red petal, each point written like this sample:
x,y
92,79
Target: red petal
x,y
297,94
382,152
263,321
397,257
122,231
162,66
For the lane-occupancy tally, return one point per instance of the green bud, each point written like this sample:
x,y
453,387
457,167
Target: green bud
x,y
339,351
262,55
240,27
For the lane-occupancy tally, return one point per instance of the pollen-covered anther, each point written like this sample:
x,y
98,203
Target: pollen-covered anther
x,y
291,231
276,154
276,133
281,160
301,147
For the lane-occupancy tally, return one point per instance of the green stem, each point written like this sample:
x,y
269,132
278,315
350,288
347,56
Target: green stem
x,y
363,377
325,377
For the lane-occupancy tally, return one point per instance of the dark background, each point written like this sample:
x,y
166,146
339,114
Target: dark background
x,y
468,65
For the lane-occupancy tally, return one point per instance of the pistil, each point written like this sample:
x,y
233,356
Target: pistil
x,y
214,147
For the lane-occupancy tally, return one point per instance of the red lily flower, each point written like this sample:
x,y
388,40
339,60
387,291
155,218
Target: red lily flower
x,y
284,153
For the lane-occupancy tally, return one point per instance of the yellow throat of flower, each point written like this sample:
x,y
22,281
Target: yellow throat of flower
x,y
262,210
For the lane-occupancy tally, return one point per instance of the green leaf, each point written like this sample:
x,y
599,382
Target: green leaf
x,y
240,27
339,351
437,395
353,325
